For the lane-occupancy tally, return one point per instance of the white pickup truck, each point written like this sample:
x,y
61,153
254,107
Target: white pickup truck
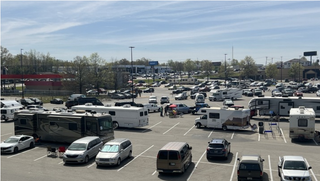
x,y
152,107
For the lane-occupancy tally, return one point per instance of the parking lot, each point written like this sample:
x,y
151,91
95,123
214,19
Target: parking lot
x,y
34,164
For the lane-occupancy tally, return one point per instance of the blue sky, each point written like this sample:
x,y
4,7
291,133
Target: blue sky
x,y
163,30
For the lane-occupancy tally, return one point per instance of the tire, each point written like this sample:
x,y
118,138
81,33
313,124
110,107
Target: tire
x,y
31,145
224,128
86,159
130,154
115,125
118,162
198,125
214,99
15,150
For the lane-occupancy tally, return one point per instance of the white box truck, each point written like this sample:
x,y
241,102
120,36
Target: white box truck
x,y
302,123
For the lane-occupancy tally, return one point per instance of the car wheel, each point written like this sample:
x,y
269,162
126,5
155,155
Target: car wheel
x,y
198,125
224,128
118,162
115,125
31,145
130,154
214,99
15,150
86,159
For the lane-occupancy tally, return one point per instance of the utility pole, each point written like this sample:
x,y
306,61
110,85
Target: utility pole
x,y
22,81
131,75
281,68
225,69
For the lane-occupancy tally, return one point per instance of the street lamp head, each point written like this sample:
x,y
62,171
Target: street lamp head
x,y
131,47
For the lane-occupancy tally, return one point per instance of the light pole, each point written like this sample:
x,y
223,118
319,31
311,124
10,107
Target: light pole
x,y
281,68
299,67
131,75
22,93
225,69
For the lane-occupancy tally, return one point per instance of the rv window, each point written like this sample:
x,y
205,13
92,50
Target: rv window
x,y
318,107
141,113
302,122
72,126
224,93
23,121
93,127
112,113
204,111
88,125
52,123
105,123
146,113
3,111
214,115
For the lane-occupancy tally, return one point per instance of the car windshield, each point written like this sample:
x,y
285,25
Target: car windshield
x,y
12,140
294,165
110,148
77,147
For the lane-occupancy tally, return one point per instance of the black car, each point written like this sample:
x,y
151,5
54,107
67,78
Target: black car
x,y
36,100
56,101
26,102
83,101
177,91
218,147
148,90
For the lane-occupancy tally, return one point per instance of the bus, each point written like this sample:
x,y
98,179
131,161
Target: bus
x,y
63,127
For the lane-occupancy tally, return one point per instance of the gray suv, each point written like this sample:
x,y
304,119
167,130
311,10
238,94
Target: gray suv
x,y
218,148
250,167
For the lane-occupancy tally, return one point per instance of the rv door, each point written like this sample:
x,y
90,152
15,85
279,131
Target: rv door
x,y
284,108
214,120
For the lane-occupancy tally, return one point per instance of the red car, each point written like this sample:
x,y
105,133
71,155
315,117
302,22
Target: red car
x,y
298,93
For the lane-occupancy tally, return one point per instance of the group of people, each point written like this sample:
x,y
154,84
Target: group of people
x,y
167,111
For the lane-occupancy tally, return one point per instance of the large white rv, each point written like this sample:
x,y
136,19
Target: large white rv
x,y
122,116
184,81
224,117
230,93
302,123
63,126
281,105
8,107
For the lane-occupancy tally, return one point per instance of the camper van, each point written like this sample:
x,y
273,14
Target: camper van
x,y
302,123
230,93
199,98
122,116
8,108
281,105
63,126
224,118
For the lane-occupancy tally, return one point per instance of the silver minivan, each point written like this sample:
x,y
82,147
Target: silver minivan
x,y
82,150
114,151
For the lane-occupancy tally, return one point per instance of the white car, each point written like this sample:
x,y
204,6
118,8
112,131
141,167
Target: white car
x,y
16,143
293,168
153,99
318,93
152,107
164,99
277,93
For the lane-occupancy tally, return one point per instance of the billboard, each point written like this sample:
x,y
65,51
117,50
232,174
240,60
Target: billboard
x,y
153,63
310,53
216,63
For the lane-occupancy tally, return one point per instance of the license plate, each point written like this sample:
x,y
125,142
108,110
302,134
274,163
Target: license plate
x,y
215,152
249,178
172,164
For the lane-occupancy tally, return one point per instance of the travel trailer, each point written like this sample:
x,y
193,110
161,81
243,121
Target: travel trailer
x,y
225,118
63,126
8,108
281,105
122,116
302,123
230,93
184,81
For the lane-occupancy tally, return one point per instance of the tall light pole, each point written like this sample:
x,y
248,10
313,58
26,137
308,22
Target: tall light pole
x,y
299,66
131,75
22,93
281,68
225,69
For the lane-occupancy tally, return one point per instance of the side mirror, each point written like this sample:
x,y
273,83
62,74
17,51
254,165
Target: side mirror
x,y
309,168
190,147
208,142
238,159
262,160
279,166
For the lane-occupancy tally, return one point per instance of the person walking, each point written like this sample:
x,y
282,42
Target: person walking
x,y
161,111
166,110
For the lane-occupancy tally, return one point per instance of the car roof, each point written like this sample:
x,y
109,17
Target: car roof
x,y
117,141
217,140
297,158
18,136
250,158
86,139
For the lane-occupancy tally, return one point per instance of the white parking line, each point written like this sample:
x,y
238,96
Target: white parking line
x,y
40,157
21,153
195,167
151,127
234,166
258,137
210,133
135,158
60,163
315,142
283,135
171,128
271,177
6,134
154,172
188,131
315,178
91,164
232,135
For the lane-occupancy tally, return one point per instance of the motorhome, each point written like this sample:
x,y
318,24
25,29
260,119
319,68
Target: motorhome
x,y
224,118
122,116
184,81
281,106
8,107
230,93
63,126
302,123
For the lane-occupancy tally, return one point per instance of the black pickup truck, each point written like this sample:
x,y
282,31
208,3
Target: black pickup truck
x,y
82,101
